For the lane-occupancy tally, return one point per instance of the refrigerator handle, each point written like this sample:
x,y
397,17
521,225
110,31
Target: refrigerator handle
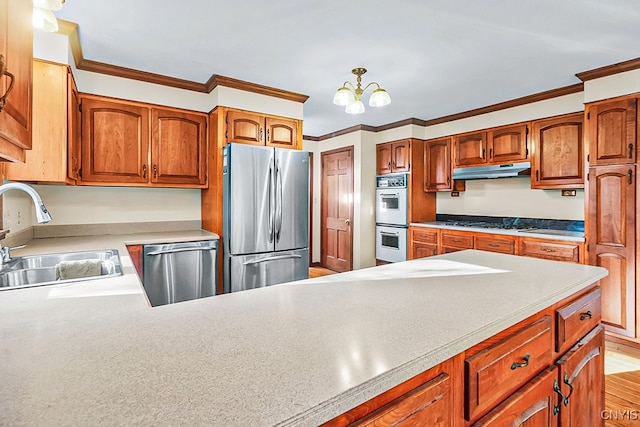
x,y
279,201
271,200
271,258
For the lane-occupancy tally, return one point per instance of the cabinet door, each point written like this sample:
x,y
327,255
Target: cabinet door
x,y
47,160
244,127
16,50
507,144
611,237
471,149
558,155
422,250
281,132
400,156
383,158
437,165
581,378
552,249
535,404
115,141
612,132
74,128
178,147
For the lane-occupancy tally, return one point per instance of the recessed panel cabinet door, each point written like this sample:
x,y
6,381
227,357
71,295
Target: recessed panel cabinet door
x,y
245,127
471,149
178,147
611,238
558,155
16,52
115,142
281,132
437,165
612,132
508,144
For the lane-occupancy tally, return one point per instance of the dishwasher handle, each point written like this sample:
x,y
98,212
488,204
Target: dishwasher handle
x,y
271,258
173,251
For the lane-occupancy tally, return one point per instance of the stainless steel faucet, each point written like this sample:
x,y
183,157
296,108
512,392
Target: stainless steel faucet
x,y
42,214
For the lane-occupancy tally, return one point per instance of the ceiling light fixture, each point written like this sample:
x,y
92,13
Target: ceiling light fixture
x,y
350,97
43,18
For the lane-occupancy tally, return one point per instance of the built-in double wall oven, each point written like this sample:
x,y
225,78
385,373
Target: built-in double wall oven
x,y
391,217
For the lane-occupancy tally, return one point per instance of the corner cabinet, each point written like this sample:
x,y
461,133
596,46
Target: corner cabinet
x,y
558,156
127,143
259,129
393,157
437,165
55,156
16,56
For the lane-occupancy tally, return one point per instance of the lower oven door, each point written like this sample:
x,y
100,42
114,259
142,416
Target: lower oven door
x,y
391,243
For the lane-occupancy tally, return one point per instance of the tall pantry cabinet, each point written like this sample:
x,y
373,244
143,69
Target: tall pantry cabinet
x,y
612,184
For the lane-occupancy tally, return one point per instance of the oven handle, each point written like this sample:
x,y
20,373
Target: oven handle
x,y
390,194
387,233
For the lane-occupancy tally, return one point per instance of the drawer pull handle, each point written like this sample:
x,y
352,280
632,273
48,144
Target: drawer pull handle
x,y
493,245
456,240
516,365
568,382
585,316
556,388
547,250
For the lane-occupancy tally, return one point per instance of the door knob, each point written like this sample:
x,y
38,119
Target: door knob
x,y
347,221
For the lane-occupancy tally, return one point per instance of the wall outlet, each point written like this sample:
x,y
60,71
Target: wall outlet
x,y
568,193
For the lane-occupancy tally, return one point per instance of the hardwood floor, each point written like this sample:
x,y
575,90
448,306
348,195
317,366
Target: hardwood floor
x,y
319,271
622,386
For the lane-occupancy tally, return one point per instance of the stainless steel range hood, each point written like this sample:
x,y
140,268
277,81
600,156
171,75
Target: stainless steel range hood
x,y
493,171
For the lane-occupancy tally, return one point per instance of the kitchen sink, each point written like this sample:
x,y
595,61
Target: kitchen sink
x,y
40,270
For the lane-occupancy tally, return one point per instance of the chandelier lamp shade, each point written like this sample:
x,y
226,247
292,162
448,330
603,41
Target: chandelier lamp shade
x,y
43,17
349,95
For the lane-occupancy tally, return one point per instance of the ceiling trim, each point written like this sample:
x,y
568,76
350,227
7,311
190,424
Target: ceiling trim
x,y
70,29
540,96
608,70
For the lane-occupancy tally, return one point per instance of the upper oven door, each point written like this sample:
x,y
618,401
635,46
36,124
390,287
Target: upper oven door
x,y
391,206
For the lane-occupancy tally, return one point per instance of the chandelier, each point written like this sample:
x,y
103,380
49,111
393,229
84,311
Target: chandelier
x,y
43,18
350,97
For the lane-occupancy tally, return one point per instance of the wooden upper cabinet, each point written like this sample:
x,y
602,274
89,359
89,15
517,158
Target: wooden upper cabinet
x,y
115,142
611,237
437,165
507,144
258,129
393,157
612,132
245,127
16,53
470,149
178,147
557,152
281,132
51,126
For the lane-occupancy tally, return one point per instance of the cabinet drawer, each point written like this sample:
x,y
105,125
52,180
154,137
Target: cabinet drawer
x,y
551,250
496,244
505,366
576,318
461,241
424,236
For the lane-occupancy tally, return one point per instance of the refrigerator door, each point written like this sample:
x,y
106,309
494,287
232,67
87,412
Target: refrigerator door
x,y
255,271
292,199
248,190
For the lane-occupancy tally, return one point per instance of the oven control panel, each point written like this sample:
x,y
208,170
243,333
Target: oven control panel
x,y
388,181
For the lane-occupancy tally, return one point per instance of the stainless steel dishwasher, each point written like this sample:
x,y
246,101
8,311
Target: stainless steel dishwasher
x,y
180,271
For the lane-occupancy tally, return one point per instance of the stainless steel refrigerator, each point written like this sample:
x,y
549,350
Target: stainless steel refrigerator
x,y
266,216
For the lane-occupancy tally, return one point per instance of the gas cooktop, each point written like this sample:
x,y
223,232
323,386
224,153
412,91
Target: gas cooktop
x,y
484,224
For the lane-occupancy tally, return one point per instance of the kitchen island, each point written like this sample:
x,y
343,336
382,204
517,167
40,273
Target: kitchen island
x,y
95,352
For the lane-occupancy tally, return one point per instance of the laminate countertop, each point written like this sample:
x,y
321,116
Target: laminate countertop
x,y
95,353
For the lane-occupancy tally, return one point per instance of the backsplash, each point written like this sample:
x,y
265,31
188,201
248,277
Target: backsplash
x,y
516,222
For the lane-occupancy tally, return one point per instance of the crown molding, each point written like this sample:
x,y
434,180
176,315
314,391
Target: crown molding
x,y
541,96
608,70
70,29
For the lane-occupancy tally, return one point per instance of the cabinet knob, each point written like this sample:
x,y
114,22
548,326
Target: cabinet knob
x,y
155,171
630,176
516,365
631,151
268,131
585,316
144,171
261,131
4,72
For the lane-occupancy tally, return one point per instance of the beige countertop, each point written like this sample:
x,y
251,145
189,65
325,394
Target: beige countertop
x,y
95,353
570,236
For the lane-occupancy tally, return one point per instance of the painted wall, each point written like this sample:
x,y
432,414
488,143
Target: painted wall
x,y
363,224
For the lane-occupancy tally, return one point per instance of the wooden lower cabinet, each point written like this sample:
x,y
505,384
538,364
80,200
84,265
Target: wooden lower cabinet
x,y
452,241
553,250
514,378
423,242
495,243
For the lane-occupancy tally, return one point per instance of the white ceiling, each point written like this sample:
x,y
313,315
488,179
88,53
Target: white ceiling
x,y
434,57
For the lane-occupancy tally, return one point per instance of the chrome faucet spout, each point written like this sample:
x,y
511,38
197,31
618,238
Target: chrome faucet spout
x,y
42,214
